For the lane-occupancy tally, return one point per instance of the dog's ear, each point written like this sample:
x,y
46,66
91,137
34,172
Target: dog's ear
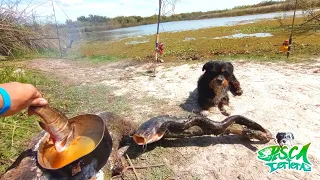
x,y
207,66
229,67
230,64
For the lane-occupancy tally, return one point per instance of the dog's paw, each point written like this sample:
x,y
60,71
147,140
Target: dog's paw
x,y
226,110
225,113
196,111
213,110
229,108
204,113
239,92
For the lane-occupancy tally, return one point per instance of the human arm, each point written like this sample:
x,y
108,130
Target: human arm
x,y
21,97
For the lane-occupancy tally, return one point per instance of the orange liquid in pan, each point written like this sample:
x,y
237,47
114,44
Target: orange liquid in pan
x,y
77,148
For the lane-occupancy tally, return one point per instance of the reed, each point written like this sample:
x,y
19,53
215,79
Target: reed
x,y
18,32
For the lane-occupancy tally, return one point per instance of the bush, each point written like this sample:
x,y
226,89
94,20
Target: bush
x,y
17,34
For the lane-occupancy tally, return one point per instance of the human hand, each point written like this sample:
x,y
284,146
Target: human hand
x,y
22,96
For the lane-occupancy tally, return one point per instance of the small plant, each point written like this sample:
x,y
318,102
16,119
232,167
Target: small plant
x,y
280,18
11,74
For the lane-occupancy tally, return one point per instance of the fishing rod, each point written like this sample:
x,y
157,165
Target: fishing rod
x,y
290,39
157,39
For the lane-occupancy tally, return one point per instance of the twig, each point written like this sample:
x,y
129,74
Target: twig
x,y
181,154
118,176
134,170
144,167
14,128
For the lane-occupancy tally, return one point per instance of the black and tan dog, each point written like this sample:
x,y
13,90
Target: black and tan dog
x,y
214,84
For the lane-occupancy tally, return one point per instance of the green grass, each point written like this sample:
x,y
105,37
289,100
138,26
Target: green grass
x,y
92,99
40,53
7,74
75,54
47,53
17,130
103,58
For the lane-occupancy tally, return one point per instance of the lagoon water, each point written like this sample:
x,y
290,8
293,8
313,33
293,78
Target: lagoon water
x,y
181,26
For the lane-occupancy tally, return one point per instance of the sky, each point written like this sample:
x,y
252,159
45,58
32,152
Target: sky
x,y
111,8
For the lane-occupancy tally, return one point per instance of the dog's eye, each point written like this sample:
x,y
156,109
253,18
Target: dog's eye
x,y
225,73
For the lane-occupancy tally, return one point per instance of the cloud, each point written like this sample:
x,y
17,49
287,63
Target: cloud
x,y
71,2
111,8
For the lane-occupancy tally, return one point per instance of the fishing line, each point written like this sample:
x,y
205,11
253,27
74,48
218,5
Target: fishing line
x,y
290,39
62,10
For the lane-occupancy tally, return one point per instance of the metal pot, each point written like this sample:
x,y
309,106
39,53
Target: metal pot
x,y
67,139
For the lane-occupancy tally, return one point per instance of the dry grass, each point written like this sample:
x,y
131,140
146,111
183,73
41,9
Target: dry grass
x,y
18,34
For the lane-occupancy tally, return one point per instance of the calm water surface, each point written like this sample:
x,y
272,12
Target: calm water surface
x,y
180,26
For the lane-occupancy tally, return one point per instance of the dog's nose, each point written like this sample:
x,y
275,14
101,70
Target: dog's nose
x,y
219,79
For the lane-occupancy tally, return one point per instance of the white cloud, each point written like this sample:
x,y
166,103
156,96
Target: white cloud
x,y
71,2
111,8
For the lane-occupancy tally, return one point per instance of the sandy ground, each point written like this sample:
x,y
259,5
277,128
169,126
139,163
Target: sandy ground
x,y
279,96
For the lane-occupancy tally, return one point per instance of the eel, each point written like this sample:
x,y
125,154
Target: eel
x,y
166,126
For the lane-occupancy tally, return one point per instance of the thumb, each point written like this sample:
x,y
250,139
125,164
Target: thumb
x,y
39,102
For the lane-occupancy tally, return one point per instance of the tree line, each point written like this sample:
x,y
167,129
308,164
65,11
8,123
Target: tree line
x,y
99,23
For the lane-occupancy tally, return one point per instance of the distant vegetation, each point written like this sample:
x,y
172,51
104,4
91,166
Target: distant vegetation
x,y
214,43
20,35
93,23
